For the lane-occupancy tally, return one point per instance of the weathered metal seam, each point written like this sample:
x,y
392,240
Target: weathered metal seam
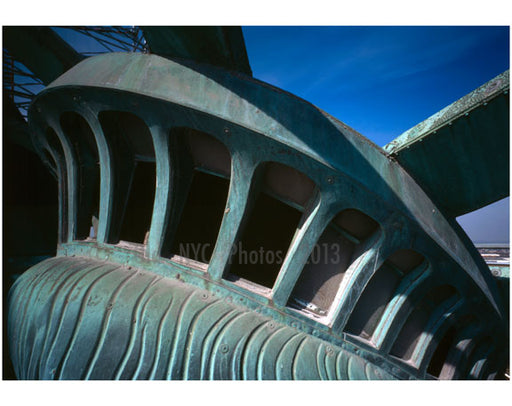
x,y
320,361
86,271
190,338
299,336
33,296
73,269
219,336
136,315
61,287
63,363
104,325
158,345
176,333
247,348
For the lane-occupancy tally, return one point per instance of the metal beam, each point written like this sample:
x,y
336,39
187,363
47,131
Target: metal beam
x,y
219,46
41,50
460,155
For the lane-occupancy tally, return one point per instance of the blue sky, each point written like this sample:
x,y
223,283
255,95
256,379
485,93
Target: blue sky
x,y
384,80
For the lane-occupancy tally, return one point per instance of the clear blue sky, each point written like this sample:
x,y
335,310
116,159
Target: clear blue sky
x,y
384,80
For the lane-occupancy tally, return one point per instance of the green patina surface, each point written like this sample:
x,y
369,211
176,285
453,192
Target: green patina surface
x,y
257,123
91,319
252,106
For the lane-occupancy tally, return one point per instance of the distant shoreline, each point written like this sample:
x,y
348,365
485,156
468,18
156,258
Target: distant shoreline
x,y
492,245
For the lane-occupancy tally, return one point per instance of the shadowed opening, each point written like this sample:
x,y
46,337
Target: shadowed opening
x,y
133,175
201,217
437,361
336,249
82,139
478,357
281,194
205,204
379,291
417,321
62,178
139,207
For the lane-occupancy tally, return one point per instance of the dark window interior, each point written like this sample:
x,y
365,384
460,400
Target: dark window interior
x,y
201,217
438,359
417,321
334,252
270,224
203,167
134,175
479,353
265,241
139,207
379,291
56,147
410,334
82,138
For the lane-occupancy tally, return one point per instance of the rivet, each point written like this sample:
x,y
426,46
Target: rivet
x,y
485,104
204,296
226,130
224,348
330,180
271,325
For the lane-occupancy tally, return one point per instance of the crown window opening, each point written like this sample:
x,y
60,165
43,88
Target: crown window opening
x,y
205,204
280,196
335,250
134,176
56,156
379,291
438,359
77,130
409,335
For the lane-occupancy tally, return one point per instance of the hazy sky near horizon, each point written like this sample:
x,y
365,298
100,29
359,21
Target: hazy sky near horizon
x,y
383,80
